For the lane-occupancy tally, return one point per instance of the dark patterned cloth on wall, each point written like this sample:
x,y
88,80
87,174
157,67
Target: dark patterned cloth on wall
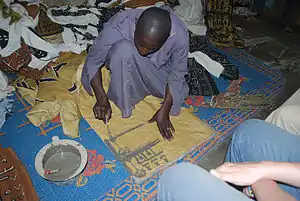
x,y
219,22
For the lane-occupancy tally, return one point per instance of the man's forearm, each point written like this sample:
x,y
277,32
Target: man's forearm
x,y
97,86
288,173
268,190
168,101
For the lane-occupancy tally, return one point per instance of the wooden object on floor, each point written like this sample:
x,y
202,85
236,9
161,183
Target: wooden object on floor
x,y
15,183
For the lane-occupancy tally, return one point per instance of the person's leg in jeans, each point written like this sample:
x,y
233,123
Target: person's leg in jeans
x,y
189,182
257,140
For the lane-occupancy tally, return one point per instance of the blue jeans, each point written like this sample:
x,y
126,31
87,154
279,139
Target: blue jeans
x,y
253,140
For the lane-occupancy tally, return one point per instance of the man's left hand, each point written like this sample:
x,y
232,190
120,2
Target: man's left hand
x,y
164,124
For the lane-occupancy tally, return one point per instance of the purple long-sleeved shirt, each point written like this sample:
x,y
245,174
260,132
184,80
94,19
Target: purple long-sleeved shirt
x,y
172,55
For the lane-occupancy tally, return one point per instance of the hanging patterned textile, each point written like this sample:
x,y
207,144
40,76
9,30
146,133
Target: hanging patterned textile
x,y
220,27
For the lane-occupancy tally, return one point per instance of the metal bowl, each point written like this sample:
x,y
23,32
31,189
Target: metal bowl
x,y
61,160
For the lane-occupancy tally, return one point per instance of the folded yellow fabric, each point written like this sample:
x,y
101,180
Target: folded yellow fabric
x,y
55,93
43,112
46,111
28,88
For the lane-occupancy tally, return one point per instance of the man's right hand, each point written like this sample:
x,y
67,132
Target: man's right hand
x,y
102,110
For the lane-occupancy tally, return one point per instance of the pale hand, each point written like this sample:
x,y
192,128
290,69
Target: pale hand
x,y
241,174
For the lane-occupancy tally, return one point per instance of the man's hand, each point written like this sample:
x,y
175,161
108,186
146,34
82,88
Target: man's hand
x,y
162,118
164,124
102,110
241,174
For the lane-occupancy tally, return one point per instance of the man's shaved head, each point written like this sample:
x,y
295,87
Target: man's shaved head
x,y
152,30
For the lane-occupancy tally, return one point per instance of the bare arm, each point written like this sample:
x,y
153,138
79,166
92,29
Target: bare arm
x,y
244,174
161,117
268,190
168,101
288,173
176,88
97,86
102,109
263,177
91,74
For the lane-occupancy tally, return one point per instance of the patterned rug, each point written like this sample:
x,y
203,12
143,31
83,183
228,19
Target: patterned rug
x,y
105,178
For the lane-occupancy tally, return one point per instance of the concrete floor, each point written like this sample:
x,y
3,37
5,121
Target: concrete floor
x,y
253,29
